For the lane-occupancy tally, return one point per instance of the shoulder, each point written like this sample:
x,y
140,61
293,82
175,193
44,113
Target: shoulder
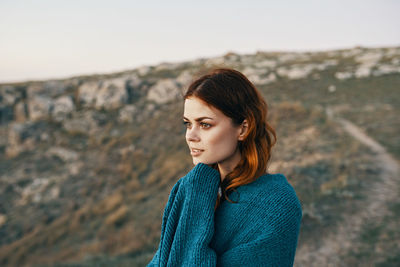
x,y
273,196
272,186
276,186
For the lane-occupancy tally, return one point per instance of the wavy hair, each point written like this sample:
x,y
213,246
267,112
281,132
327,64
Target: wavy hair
x,y
237,98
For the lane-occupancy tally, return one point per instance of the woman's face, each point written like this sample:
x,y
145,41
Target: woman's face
x,y
210,135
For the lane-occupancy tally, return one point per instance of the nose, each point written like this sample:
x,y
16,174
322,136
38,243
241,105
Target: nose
x,y
192,135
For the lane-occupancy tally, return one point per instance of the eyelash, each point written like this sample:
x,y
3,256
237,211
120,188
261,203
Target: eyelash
x,y
186,124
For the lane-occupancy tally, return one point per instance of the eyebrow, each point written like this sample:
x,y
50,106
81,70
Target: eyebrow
x,y
199,119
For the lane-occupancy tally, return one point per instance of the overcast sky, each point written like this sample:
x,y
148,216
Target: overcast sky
x,y
46,39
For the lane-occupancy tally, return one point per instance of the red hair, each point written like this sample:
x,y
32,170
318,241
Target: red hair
x,y
235,96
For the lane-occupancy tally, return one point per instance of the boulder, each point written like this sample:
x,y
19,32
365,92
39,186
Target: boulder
x,y
163,91
39,107
185,78
143,70
112,94
20,112
66,155
49,89
23,137
127,114
63,106
108,94
85,122
343,75
8,95
367,61
87,93
267,63
295,71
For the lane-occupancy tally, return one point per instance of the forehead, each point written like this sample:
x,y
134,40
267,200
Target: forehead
x,y
195,107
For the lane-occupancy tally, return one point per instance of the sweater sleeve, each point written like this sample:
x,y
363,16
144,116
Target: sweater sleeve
x,y
275,233
188,221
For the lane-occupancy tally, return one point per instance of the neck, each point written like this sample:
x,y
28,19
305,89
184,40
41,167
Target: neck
x,y
228,165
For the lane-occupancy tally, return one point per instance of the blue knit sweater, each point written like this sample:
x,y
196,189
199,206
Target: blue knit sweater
x,y
260,230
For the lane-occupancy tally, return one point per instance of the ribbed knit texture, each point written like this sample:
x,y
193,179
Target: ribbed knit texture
x,y
260,230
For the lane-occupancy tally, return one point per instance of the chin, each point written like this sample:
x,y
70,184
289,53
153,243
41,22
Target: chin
x,y
196,161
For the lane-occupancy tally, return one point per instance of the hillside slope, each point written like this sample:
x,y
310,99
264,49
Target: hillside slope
x,y
87,163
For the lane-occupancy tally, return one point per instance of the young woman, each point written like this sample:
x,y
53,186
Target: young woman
x,y
228,210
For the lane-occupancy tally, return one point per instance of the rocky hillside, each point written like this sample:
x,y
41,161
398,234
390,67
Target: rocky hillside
x,y
87,163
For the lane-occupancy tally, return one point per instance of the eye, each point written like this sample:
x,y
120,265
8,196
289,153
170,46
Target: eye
x,y
205,125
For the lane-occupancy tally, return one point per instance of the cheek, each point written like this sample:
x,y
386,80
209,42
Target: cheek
x,y
223,142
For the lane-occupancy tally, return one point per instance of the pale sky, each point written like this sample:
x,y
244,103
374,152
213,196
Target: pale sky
x,y
46,39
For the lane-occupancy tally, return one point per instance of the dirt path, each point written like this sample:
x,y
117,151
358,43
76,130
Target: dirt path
x,y
335,245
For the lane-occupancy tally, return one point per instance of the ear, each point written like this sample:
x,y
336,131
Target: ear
x,y
243,130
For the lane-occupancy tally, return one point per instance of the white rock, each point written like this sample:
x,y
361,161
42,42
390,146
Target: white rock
x,y
250,71
108,94
44,136
66,155
8,96
3,219
386,69
164,91
363,71
296,71
20,112
369,58
63,106
326,64
36,191
396,61
112,94
143,70
343,75
367,62
392,51
54,192
266,64
256,79
83,122
133,80
49,88
185,78
20,138
39,107
125,151
285,57
127,113
87,93
75,167
331,88
16,131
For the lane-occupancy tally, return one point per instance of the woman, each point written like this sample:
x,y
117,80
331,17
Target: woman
x,y
228,210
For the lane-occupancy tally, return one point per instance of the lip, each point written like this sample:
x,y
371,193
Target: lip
x,y
195,153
